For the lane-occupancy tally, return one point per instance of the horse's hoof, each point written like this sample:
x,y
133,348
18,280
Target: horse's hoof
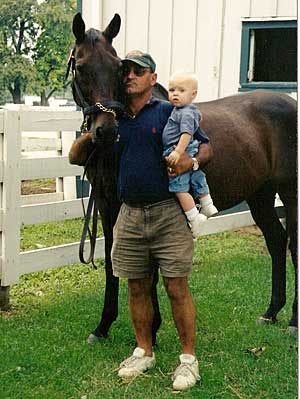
x,y
92,339
293,330
266,320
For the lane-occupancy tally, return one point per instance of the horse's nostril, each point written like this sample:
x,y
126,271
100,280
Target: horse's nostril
x,y
105,135
99,131
97,134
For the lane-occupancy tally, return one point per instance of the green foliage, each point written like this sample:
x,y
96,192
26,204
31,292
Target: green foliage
x,y
44,353
18,32
35,40
53,45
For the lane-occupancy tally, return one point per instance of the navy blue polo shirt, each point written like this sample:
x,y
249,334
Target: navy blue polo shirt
x,y
143,176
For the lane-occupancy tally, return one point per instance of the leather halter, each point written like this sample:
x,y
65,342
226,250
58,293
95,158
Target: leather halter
x,y
115,108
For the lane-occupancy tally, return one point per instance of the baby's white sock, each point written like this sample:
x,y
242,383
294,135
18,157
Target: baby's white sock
x,y
205,201
192,214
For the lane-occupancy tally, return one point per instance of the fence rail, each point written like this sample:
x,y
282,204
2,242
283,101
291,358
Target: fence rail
x,y
25,131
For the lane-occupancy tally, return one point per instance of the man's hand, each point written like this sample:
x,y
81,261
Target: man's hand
x,y
185,163
173,157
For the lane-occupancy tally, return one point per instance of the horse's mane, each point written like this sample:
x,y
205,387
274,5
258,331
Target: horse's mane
x,y
159,91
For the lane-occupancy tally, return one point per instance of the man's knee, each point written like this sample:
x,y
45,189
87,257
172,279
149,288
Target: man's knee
x,y
176,287
139,287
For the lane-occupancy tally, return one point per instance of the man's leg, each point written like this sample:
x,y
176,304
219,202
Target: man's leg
x,y
186,374
141,312
183,311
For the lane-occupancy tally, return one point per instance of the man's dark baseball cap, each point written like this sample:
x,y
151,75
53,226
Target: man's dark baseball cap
x,y
143,59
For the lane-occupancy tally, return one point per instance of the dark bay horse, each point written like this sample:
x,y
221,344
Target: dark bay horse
x,y
254,140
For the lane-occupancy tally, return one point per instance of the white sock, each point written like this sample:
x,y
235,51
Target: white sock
x,y
192,214
205,201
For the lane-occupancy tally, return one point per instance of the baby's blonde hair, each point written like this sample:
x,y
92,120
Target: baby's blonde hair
x,y
185,77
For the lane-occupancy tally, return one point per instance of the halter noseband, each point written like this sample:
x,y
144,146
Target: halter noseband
x,y
111,106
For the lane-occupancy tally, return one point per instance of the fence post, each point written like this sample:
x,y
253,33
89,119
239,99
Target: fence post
x,y
82,188
69,182
11,199
4,291
59,180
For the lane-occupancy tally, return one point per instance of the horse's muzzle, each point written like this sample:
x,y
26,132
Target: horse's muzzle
x,y
105,135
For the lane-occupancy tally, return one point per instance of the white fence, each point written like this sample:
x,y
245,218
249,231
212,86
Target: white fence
x,y
17,210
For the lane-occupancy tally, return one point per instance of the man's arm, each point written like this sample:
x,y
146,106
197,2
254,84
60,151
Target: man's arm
x,y
81,149
185,162
204,154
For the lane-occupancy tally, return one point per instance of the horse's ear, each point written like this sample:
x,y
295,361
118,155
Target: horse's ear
x,y
78,27
113,28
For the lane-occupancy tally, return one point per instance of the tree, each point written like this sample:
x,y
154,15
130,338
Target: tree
x,y
35,40
17,33
53,46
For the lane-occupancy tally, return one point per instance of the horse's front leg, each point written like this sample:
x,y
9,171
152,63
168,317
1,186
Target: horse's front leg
x,y
110,306
157,317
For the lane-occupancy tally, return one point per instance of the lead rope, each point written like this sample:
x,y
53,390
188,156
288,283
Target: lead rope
x,y
92,207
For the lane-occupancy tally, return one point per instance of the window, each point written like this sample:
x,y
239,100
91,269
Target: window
x,y
269,55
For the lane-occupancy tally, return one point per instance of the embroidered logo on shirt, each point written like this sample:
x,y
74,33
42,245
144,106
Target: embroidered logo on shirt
x,y
153,130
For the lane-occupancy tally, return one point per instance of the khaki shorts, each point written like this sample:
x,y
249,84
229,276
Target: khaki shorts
x,y
152,235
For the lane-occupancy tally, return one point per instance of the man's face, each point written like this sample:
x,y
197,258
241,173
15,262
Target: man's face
x,y
137,79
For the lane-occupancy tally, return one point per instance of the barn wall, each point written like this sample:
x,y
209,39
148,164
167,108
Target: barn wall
x,y
198,35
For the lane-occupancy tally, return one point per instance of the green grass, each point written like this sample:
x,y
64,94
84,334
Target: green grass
x,y
43,347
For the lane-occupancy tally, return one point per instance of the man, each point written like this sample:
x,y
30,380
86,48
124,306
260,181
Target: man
x,y
151,226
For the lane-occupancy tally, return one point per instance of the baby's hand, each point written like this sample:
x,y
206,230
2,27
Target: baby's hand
x,y
173,157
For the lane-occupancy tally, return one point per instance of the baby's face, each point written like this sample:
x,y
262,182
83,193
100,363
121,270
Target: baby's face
x,y
181,92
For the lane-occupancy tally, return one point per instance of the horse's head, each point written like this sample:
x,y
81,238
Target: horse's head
x,y
96,77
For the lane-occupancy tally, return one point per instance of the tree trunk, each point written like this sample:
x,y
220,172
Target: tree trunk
x,y
44,99
16,93
4,298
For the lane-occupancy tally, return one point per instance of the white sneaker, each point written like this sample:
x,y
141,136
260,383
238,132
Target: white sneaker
x,y
136,364
197,224
208,210
187,373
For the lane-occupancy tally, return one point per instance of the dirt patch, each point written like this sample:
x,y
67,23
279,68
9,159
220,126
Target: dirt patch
x,y
39,186
250,230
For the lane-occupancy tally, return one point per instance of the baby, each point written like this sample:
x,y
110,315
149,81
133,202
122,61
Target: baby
x,y
178,137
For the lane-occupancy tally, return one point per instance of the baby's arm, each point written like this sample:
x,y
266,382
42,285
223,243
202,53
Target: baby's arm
x,y
180,148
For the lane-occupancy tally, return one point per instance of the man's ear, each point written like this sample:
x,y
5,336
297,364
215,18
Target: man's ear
x,y
153,78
